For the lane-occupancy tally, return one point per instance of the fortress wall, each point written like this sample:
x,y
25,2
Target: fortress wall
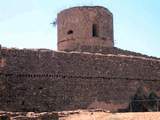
x,y
83,65
59,93
105,50
47,80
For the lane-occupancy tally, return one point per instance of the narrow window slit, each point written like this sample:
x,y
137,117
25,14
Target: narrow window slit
x,y
94,30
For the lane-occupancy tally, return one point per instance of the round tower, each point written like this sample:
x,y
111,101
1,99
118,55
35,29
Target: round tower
x,y
90,26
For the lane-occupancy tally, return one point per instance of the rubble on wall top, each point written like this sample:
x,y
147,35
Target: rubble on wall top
x,y
113,55
25,49
17,51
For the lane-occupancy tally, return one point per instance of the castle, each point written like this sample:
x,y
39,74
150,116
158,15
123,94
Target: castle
x,y
87,71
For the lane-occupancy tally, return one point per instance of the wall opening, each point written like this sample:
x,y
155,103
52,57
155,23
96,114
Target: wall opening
x,y
70,32
94,30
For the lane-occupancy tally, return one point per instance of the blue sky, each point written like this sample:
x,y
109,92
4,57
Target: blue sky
x,y
26,23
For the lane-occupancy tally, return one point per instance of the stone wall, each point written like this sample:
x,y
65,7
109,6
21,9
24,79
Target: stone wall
x,y
45,80
85,26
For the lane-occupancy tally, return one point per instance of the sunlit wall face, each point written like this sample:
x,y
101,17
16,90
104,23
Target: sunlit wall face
x,y
26,24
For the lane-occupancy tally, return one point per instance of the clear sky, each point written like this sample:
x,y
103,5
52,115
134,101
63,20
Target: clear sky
x,y
26,23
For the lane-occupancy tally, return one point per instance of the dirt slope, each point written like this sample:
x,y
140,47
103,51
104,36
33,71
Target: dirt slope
x,y
79,115
113,116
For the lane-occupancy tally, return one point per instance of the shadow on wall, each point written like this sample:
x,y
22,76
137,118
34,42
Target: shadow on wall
x,y
143,101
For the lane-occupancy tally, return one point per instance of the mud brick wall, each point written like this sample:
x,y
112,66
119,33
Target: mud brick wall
x,y
45,80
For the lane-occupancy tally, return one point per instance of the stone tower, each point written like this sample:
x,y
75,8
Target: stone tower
x,y
87,26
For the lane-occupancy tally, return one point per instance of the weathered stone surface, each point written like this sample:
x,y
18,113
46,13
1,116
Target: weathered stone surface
x,y
90,74
46,80
85,26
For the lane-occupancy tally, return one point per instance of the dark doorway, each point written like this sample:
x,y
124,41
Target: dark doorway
x,y
94,30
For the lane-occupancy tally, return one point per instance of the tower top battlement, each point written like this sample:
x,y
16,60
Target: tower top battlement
x,y
85,26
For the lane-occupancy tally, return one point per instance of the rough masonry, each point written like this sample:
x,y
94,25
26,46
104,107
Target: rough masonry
x,y
85,75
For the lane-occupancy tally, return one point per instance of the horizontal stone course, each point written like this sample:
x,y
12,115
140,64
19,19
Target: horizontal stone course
x,y
52,81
